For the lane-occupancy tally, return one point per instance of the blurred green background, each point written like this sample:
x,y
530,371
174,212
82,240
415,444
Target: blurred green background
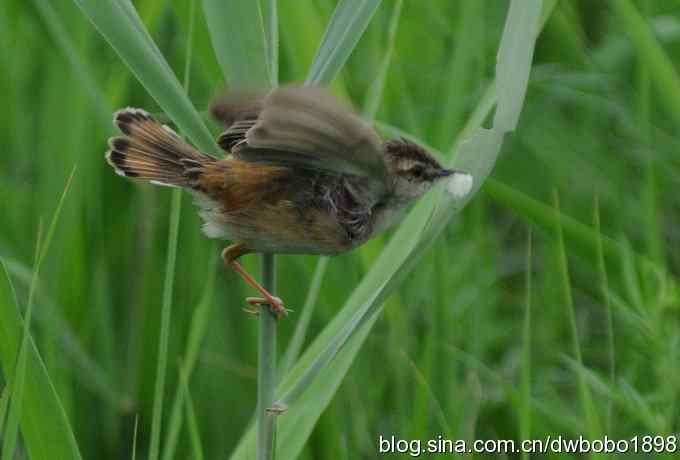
x,y
457,349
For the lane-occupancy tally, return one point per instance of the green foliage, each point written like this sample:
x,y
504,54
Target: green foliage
x,y
441,327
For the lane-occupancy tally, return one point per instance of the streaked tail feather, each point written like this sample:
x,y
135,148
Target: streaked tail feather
x,y
153,152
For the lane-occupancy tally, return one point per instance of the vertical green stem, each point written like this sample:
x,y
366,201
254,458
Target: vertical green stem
x,y
266,367
164,335
266,362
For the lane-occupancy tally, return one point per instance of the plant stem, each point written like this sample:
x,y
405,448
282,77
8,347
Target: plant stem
x,y
266,367
164,334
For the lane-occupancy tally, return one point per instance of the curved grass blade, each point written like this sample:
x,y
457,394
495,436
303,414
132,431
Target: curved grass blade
x,y
349,21
513,58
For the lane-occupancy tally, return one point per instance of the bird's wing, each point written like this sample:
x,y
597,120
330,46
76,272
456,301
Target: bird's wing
x,y
238,111
306,127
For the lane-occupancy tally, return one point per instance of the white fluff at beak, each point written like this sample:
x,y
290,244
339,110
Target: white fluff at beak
x,y
459,185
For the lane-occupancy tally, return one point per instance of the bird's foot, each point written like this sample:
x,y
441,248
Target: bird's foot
x,y
275,305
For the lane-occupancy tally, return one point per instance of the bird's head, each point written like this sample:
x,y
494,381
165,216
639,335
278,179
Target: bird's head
x,y
413,169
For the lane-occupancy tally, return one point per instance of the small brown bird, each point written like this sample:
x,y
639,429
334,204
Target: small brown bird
x,y
305,175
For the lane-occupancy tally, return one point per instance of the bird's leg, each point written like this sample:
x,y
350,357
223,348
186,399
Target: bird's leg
x,y
233,252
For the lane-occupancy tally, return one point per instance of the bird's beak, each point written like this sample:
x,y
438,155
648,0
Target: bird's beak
x,y
445,173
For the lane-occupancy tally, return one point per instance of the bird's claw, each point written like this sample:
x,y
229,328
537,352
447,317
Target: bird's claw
x,y
252,311
275,305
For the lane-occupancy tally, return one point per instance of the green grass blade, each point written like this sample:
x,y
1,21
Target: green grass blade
x,y
514,57
583,240
272,40
525,375
192,420
134,438
661,67
168,287
17,380
197,331
143,34
302,323
4,396
90,373
166,310
301,35
604,283
464,70
594,427
349,21
239,40
56,26
128,38
439,414
4,403
377,88
164,335
34,403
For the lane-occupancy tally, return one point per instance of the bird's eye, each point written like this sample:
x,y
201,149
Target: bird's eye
x,y
418,172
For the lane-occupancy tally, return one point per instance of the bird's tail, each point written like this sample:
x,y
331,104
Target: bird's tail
x,y
153,152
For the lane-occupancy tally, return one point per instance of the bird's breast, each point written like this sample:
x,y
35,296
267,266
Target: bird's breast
x,y
281,210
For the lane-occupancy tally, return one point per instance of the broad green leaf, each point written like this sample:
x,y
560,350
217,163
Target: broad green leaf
x,y
513,58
